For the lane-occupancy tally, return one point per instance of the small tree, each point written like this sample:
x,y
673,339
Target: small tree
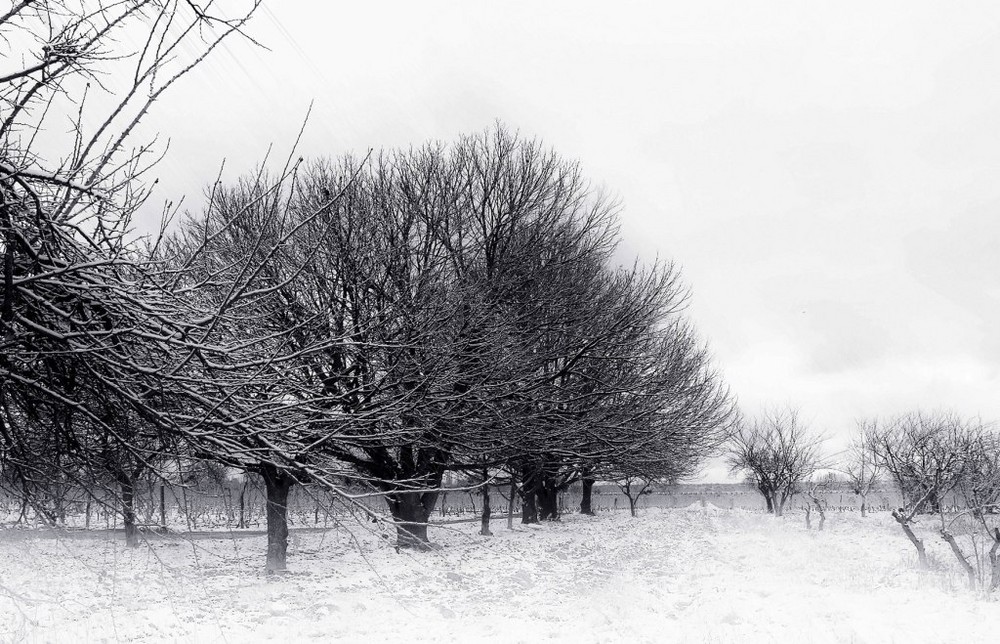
x,y
633,488
777,453
979,489
813,492
927,456
863,467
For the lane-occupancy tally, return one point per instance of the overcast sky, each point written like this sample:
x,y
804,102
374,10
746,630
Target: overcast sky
x,y
826,174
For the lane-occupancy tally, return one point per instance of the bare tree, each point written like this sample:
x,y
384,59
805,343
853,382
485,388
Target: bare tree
x,y
638,398
927,455
976,525
464,272
75,285
243,388
633,488
674,414
167,332
483,329
777,453
863,467
813,490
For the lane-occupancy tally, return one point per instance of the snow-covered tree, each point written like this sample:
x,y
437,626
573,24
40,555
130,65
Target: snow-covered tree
x,y
81,315
927,455
777,453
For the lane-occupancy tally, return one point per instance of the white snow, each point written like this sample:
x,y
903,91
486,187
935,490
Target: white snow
x,y
709,575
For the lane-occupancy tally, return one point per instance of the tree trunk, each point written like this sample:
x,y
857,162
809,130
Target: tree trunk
x,y
243,506
187,510
24,509
277,484
128,510
917,543
770,503
808,517
529,511
529,489
59,505
627,491
822,513
163,508
484,528
410,512
934,502
969,570
510,502
864,507
548,502
585,503
994,557
548,497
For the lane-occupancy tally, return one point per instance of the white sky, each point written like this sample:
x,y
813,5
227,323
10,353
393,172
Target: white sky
x,y
826,173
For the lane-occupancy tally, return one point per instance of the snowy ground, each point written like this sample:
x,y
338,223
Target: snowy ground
x,y
668,576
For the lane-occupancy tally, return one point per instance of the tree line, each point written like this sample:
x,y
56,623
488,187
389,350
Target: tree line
x,y
356,323
925,456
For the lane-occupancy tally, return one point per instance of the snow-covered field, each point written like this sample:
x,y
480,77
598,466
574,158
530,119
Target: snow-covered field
x,y
695,575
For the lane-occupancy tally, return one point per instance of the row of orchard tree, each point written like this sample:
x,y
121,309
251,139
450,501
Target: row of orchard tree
x,y
359,324
929,458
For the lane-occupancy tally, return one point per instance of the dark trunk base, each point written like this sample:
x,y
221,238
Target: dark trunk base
x,y
530,485
412,536
585,503
410,512
548,504
484,526
529,511
277,484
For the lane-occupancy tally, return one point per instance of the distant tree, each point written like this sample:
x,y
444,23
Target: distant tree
x,y
863,467
633,488
777,453
813,491
639,399
678,415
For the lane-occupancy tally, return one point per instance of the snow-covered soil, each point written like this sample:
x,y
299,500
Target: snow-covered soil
x,y
695,575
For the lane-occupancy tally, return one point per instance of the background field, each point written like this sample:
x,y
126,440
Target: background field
x,y
210,505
